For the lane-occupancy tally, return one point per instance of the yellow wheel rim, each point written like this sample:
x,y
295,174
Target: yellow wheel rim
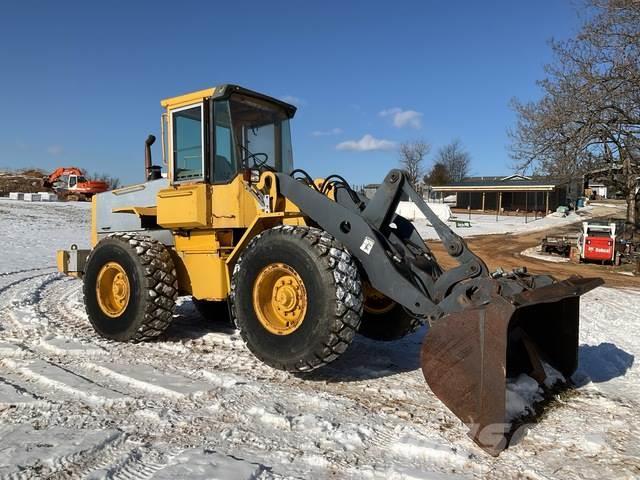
x,y
279,299
376,302
112,289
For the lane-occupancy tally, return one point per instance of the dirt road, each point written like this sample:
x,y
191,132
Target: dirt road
x,y
504,251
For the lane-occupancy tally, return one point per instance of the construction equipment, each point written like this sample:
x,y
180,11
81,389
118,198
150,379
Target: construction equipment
x,y
304,264
558,244
598,242
71,183
607,242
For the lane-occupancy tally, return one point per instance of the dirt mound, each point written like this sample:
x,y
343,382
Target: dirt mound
x,y
28,180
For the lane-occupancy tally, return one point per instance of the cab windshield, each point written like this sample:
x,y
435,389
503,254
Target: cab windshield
x,y
251,133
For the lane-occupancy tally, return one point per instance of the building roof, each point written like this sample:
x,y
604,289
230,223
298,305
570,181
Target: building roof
x,y
508,183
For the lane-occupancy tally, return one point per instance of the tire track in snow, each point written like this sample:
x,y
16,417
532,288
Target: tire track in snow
x,y
67,322
18,300
81,463
142,465
78,464
9,286
191,347
64,381
214,351
55,302
51,310
35,300
226,356
26,270
240,405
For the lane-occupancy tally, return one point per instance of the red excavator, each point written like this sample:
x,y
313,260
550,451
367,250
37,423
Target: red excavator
x,y
71,183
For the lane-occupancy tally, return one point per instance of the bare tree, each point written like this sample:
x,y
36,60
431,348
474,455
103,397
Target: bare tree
x,y
113,182
589,114
455,159
412,157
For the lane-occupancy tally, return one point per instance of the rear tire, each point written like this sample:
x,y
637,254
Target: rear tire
x,y
390,326
383,319
320,286
145,296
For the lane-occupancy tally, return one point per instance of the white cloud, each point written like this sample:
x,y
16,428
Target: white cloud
x,y
326,133
403,118
366,144
55,150
389,111
297,101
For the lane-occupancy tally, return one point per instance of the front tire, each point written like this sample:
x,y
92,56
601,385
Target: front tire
x,y
130,288
296,298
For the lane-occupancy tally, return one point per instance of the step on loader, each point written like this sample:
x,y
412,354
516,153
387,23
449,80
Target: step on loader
x,y
304,264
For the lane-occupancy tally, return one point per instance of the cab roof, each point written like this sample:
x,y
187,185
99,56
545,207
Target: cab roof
x,y
221,91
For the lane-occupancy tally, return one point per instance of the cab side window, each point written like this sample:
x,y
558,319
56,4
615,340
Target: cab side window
x,y
188,145
224,163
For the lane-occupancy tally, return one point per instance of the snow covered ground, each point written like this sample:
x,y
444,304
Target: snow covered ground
x,y
536,252
196,404
32,232
488,224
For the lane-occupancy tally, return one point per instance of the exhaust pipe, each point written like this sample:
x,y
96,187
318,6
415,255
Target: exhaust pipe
x,y
148,165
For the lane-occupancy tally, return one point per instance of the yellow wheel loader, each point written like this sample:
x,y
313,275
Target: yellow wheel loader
x,y
304,264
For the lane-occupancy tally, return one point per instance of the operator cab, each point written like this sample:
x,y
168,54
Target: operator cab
x,y
75,179
212,135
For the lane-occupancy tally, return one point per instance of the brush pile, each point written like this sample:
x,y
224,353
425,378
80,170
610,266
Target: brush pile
x,y
25,181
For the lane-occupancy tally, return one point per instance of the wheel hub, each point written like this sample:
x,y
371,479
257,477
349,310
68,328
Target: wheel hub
x,y
112,289
279,299
376,302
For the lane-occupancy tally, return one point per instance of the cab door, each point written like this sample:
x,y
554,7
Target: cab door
x,y
187,204
187,142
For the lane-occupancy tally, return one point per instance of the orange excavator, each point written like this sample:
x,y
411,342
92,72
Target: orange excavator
x,y
71,183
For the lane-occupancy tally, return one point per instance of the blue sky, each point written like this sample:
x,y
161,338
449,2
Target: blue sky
x,y
81,82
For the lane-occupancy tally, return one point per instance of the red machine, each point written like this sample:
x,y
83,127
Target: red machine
x,y
598,242
71,182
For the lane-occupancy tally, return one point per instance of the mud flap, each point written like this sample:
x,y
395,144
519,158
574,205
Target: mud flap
x,y
467,356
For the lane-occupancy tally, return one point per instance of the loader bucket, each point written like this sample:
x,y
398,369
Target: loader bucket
x,y
468,356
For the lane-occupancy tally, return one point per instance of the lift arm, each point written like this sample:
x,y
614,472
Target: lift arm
x,y
395,266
